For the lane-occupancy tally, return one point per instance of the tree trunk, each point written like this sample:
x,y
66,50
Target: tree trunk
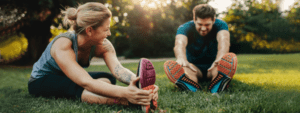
x,y
38,35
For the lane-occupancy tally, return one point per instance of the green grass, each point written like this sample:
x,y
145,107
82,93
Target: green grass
x,y
240,97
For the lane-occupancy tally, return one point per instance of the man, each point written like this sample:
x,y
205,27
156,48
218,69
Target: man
x,y
202,53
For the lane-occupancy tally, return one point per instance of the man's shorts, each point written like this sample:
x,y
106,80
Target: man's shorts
x,y
62,86
203,68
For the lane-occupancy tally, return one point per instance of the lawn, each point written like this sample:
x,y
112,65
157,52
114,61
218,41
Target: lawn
x,y
263,83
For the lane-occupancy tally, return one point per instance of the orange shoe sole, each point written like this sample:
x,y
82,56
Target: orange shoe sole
x,y
228,64
153,104
227,67
173,70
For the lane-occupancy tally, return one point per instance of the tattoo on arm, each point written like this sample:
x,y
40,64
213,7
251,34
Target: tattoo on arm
x,y
122,74
107,46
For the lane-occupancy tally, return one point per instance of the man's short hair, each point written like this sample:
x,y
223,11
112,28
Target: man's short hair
x,y
204,11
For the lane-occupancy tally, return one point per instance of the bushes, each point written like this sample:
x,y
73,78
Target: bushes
x,y
13,48
156,45
149,34
262,29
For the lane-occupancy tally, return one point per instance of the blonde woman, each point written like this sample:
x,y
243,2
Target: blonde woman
x,y
60,70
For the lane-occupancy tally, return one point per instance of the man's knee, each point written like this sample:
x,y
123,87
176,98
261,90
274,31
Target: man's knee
x,y
198,71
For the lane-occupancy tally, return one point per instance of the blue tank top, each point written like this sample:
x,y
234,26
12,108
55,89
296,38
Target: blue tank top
x,y
201,50
46,65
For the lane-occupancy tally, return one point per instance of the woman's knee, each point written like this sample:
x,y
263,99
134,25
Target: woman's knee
x,y
104,80
93,98
99,75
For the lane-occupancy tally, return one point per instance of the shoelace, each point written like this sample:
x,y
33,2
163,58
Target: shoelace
x,y
215,81
190,82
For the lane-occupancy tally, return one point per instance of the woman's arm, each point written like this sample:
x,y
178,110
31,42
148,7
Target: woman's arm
x,y
64,56
108,53
124,75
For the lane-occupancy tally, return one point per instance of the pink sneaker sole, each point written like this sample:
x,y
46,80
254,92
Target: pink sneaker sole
x,y
147,75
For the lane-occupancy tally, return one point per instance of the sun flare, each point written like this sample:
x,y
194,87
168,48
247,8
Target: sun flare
x,y
151,3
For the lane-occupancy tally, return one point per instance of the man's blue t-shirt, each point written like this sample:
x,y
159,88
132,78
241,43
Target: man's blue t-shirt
x,y
201,50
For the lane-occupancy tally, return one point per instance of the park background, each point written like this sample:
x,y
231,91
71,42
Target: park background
x,y
256,26
264,35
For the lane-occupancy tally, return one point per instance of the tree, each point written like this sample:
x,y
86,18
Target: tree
x,y
294,19
254,26
152,26
36,23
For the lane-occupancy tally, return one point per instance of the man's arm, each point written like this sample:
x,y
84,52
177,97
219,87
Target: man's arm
x,y
108,53
181,42
223,38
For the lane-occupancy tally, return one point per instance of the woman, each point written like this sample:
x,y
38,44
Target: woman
x,y
59,72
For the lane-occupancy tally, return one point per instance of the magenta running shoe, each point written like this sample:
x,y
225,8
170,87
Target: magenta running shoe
x,y
147,75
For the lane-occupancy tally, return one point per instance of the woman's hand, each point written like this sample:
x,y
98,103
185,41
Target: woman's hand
x,y
138,96
155,93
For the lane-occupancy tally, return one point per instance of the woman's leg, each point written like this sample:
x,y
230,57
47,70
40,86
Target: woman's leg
x,y
60,86
93,98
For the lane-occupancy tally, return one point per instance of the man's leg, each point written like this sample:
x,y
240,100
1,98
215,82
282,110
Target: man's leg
x,y
193,75
212,74
223,73
184,79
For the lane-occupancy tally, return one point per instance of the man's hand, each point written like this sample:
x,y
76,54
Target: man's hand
x,y
185,63
213,65
138,96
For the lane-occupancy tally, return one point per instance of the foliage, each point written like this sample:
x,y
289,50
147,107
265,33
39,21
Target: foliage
x,y
139,30
294,14
13,44
12,48
152,31
262,27
56,31
262,83
57,28
32,18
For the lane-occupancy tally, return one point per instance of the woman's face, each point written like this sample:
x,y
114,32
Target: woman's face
x,y
102,32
